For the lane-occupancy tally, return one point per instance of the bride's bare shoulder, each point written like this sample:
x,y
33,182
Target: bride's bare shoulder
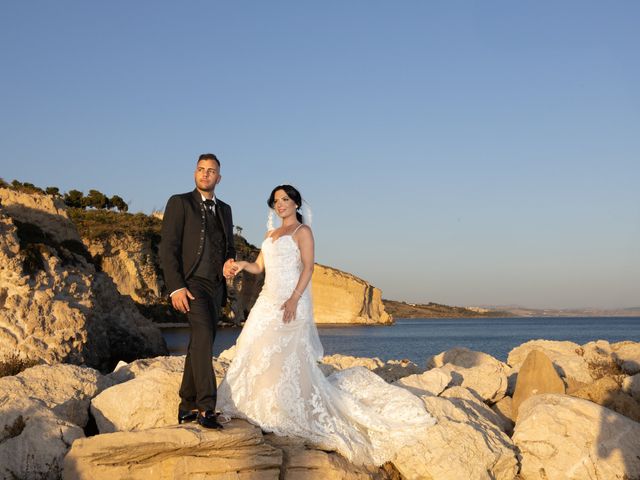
x,y
303,231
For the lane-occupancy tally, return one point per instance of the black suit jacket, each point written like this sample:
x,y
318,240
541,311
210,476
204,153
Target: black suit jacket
x,y
183,236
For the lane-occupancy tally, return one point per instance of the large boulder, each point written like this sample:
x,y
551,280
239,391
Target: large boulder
x,y
566,357
477,371
536,376
463,444
471,403
56,307
431,382
148,401
566,438
42,410
146,394
66,390
627,356
128,371
183,452
598,353
34,439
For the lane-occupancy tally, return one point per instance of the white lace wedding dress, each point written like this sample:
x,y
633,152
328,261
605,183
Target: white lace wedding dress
x,y
274,380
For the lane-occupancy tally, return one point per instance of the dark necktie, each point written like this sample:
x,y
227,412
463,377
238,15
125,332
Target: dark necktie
x,y
210,204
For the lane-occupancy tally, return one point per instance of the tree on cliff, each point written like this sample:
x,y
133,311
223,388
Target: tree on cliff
x,y
117,202
73,198
25,187
53,191
95,199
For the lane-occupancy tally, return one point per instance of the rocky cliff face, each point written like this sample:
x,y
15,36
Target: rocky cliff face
x,y
339,297
132,264
54,305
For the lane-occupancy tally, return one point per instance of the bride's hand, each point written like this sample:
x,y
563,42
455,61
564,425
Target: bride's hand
x,y
289,308
237,267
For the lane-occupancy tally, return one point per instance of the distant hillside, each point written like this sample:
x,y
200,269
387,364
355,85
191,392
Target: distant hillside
x,y
436,310
517,311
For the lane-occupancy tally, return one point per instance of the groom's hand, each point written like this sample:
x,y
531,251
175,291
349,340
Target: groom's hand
x,y
180,300
228,270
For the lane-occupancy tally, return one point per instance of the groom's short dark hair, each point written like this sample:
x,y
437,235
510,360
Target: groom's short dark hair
x,y
208,156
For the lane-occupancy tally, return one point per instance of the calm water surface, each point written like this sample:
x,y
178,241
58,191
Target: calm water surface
x,y
417,339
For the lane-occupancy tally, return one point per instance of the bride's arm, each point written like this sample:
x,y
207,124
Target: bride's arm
x,y
306,246
251,267
256,267
304,238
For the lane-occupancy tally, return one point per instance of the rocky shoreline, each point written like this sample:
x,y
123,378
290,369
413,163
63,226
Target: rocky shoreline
x,y
554,410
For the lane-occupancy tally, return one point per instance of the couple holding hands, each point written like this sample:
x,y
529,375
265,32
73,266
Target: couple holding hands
x,y
274,380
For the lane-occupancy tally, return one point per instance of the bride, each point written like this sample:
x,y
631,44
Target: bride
x,y
274,380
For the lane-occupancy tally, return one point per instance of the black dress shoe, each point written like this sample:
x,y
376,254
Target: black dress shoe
x,y
186,416
209,419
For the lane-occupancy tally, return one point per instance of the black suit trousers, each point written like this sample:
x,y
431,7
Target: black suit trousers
x,y
198,389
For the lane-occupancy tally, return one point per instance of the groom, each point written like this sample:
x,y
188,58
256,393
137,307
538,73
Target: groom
x,y
196,253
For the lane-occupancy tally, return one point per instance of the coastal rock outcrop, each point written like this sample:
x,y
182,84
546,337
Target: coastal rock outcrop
x,y
566,438
240,451
55,306
187,451
339,297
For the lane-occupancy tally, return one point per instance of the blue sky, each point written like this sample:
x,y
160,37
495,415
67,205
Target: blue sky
x,y
465,153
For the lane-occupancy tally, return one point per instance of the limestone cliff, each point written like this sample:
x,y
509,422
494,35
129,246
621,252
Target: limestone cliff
x,y
339,297
132,263
54,305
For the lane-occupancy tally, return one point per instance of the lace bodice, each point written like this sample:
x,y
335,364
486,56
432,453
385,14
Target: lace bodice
x,y
282,266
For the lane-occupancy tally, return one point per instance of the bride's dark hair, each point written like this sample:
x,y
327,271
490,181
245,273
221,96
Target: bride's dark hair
x,y
292,193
